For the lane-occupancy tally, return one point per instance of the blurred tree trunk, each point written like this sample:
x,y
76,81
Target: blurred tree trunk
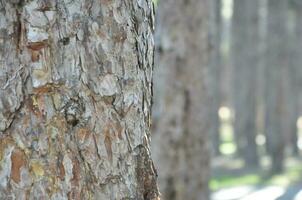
x,y
298,53
215,69
180,140
295,72
260,77
245,54
75,100
277,61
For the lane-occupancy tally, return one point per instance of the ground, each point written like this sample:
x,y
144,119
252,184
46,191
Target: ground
x,y
231,181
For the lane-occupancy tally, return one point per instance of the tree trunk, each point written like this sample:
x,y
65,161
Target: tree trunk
x,y
295,73
261,68
277,61
215,70
180,139
298,54
75,99
245,55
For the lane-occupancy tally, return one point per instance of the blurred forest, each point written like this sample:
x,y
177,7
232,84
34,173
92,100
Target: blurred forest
x,y
227,99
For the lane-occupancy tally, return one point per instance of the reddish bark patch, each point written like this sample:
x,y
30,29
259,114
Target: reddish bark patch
x,y
18,160
4,143
49,88
36,46
108,143
44,8
119,129
35,56
75,193
61,171
43,89
106,2
101,34
82,135
120,37
76,172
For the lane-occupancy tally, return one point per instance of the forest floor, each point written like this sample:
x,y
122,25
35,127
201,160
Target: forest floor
x,y
231,181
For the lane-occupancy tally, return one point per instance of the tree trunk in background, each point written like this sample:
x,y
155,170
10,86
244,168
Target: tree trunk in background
x,y
261,76
290,106
298,47
245,55
277,61
75,99
180,141
226,62
215,68
295,73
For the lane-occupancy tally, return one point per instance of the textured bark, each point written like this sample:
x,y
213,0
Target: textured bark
x,y
277,62
245,55
180,142
75,97
215,73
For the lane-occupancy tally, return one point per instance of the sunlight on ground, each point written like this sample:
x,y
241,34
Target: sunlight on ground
x,y
291,175
268,193
298,196
252,193
233,193
252,184
259,186
229,181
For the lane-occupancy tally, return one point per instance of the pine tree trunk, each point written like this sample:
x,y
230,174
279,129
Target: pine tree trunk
x,y
277,61
295,74
180,137
215,73
75,97
245,56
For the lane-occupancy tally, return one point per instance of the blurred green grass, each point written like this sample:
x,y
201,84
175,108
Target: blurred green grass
x,y
292,175
232,181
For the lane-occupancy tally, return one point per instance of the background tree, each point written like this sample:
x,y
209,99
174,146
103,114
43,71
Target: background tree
x,y
244,38
180,141
294,75
75,97
215,73
276,64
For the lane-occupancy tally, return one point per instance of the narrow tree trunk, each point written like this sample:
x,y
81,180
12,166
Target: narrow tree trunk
x,y
295,73
75,97
180,139
245,55
261,68
215,70
277,60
